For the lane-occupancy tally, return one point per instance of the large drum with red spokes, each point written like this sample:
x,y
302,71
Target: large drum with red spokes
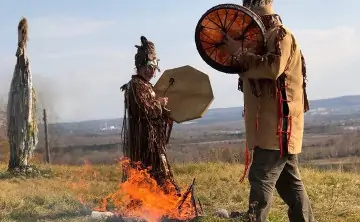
x,y
236,21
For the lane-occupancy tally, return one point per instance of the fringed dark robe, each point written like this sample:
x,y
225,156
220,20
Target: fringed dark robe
x,y
144,129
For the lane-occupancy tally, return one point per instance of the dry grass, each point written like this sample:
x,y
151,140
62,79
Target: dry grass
x,y
335,195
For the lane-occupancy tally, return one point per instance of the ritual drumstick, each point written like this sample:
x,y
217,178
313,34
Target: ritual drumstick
x,y
170,122
171,83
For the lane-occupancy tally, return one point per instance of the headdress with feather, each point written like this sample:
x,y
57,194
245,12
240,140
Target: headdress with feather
x,y
146,54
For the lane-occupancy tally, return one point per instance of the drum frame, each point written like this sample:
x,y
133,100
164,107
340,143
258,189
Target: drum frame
x,y
199,27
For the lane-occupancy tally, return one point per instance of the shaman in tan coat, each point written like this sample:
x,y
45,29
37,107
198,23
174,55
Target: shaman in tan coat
x,y
274,101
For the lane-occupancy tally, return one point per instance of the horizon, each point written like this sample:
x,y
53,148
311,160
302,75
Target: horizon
x,y
231,107
82,52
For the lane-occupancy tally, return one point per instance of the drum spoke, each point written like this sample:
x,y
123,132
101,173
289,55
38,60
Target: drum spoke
x,y
243,22
207,22
245,30
209,38
213,46
210,43
226,14
214,22
204,27
212,52
221,24
224,62
232,21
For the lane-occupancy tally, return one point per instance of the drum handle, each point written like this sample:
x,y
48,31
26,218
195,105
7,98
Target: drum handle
x,y
171,83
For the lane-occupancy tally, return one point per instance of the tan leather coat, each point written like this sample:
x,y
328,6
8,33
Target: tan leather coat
x,y
282,68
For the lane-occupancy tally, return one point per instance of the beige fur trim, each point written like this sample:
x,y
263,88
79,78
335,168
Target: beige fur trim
x,y
263,10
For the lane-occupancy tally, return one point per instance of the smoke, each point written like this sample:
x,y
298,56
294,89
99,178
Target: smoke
x,y
45,89
46,97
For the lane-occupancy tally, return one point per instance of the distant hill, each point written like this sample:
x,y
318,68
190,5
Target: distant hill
x,y
345,105
337,102
323,109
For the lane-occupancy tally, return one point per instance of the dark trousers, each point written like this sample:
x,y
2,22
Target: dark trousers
x,y
269,171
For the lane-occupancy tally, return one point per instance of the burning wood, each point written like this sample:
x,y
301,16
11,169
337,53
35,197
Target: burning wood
x,y
111,218
141,197
189,191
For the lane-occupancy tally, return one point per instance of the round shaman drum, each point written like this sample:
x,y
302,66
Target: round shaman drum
x,y
189,91
236,21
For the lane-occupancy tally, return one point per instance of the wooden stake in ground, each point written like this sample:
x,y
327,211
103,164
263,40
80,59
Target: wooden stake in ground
x,y
47,149
21,111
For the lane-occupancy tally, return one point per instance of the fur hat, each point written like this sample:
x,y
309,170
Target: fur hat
x,y
146,54
260,7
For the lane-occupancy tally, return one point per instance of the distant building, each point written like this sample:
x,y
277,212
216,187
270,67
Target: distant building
x,y
110,128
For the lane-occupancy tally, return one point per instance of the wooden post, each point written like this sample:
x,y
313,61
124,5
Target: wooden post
x,y
47,151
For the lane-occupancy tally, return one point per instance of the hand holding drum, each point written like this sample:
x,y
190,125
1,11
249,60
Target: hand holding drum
x,y
163,100
236,47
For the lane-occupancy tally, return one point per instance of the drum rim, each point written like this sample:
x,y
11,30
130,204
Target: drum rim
x,y
204,56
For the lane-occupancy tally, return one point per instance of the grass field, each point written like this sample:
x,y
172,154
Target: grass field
x,y
55,196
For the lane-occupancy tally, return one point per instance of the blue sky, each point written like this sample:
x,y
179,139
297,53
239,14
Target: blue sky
x,y
82,51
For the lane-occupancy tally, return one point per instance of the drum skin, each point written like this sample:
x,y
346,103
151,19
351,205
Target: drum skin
x,y
236,21
190,92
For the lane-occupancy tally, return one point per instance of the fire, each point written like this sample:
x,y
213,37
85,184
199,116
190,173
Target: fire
x,y
141,197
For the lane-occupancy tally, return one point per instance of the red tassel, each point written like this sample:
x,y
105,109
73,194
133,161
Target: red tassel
x,y
290,130
280,121
247,162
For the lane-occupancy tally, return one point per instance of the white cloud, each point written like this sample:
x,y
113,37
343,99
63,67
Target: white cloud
x,y
65,27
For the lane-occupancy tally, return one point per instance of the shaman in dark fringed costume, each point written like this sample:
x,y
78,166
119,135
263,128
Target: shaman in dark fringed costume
x,y
146,120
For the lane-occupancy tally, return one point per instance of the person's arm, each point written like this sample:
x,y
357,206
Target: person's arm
x,y
151,106
272,64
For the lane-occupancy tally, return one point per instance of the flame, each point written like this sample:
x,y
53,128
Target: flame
x,y
140,196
